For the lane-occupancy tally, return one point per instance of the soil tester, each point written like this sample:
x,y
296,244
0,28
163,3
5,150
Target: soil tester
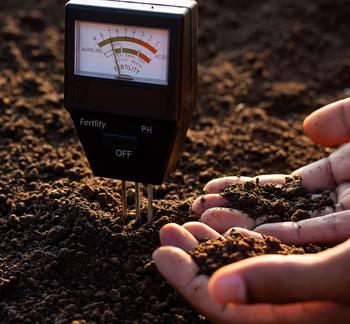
x,y
130,85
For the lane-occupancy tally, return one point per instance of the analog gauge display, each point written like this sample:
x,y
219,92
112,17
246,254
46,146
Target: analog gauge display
x,y
122,52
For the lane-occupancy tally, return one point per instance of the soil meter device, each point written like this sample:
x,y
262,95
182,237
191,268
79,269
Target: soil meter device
x,y
130,85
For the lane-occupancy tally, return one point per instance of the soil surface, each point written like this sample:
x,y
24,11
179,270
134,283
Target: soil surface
x,y
66,253
276,203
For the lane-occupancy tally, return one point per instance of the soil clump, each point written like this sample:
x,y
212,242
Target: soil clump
x,y
277,203
211,255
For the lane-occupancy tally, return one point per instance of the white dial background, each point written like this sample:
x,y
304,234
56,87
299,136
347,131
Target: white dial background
x,y
122,52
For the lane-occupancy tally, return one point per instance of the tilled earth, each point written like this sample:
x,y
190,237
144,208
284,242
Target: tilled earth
x,y
66,254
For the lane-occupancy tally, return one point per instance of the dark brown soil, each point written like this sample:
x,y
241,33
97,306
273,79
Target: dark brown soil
x,y
214,254
290,202
66,254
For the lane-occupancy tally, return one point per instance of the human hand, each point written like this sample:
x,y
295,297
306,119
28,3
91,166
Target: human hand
x,y
329,126
269,289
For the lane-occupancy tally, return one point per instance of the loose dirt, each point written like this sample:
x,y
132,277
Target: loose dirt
x,y
277,203
214,254
66,253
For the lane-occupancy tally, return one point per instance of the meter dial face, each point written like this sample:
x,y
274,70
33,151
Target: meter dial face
x,y
122,52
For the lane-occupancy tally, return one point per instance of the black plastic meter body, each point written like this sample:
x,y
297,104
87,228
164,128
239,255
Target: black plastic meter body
x,y
130,83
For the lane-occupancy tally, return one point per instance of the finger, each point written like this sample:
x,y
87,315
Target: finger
x,y
330,125
271,178
244,232
328,173
222,219
217,185
203,203
326,230
284,279
180,271
176,266
211,200
175,235
200,231
317,176
343,193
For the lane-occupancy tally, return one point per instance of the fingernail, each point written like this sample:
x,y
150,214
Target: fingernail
x,y
229,289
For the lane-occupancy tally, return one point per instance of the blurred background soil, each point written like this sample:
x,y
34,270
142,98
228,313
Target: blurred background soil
x,y
66,254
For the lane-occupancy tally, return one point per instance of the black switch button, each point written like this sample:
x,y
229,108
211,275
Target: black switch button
x,y
120,146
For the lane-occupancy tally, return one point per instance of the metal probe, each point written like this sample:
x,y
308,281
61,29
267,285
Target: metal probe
x,y
124,201
137,202
150,203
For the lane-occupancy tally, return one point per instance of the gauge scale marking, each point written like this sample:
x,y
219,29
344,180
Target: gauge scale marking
x,y
122,52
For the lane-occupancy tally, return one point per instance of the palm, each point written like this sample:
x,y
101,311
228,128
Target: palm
x,y
179,269
327,226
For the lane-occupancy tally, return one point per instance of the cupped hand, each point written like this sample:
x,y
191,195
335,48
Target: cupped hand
x,y
329,126
265,289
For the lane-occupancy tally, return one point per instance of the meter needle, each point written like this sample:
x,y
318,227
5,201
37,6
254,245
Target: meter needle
x,y
150,204
114,53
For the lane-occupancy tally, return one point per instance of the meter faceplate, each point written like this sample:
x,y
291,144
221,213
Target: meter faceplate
x,y
114,51
130,128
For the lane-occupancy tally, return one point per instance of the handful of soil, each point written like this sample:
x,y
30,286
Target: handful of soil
x,y
214,254
277,203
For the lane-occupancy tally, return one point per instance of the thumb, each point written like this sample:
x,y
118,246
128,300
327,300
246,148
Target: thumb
x,y
281,279
330,125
